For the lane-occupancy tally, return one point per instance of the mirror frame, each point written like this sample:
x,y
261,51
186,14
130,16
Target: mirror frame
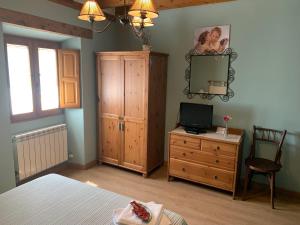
x,y
230,77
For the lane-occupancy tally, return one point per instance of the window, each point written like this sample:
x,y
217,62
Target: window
x,y
20,79
48,78
33,78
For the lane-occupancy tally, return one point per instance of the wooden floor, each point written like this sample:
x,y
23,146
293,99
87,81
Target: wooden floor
x,y
196,203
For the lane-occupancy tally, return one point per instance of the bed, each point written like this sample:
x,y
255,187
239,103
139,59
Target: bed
x,y
54,199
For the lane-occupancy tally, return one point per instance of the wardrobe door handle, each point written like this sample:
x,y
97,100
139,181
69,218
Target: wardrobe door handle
x,y
184,142
121,126
216,177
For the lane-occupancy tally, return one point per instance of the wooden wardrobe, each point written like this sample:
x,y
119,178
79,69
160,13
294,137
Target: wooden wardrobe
x,y
131,109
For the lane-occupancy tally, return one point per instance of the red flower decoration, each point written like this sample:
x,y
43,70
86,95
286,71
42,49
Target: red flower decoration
x,y
226,118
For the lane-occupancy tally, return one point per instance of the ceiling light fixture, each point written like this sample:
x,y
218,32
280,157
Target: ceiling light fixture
x,y
91,12
137,22
143,9
139,16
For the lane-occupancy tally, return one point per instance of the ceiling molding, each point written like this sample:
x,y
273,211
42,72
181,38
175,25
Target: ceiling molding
x,y
161,4
114,3
27,20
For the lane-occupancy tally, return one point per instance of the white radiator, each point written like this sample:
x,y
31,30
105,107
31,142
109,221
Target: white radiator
x,y
40,149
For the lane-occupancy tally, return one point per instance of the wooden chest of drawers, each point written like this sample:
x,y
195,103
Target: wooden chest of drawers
x,y
207,158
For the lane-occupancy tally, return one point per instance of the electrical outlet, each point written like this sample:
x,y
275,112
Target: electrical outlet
x,y
71,156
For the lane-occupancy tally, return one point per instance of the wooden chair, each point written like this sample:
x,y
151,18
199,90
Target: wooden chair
x,y
261,165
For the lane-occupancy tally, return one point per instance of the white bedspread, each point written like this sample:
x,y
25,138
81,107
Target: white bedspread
x,y
54,199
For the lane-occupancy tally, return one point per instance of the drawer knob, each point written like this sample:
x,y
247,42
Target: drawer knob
x,y
183,169
183,154
216,177
218,148
184,141
217,161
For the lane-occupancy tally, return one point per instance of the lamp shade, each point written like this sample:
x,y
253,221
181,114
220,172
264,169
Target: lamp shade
x,y
91,11
142,8
137,22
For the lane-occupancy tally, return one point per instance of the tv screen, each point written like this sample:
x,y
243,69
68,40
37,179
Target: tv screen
x,y
196,115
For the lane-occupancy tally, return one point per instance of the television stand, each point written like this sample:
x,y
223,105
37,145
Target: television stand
x,y
209,159
194,130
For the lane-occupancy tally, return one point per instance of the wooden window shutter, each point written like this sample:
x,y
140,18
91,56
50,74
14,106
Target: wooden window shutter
x,y
69,78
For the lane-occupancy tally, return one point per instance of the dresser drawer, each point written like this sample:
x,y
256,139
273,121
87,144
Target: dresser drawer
x,y
217,148
203,174
222,162
184,141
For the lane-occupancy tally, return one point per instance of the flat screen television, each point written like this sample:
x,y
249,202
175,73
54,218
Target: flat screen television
x,y
196,118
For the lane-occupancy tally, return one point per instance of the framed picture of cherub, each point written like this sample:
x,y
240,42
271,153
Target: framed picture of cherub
x,y
215,39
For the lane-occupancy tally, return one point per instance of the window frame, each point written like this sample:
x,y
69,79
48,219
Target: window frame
x,y
33,46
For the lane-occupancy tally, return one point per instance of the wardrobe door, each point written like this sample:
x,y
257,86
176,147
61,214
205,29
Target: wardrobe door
x,y
111,107
135,112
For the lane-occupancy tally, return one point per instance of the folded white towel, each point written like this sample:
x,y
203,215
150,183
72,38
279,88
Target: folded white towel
x,y
164,219
127,216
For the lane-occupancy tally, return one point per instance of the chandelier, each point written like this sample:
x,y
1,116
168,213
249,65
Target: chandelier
x,y
139,16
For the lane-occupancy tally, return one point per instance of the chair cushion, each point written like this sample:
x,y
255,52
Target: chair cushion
x,y
263,165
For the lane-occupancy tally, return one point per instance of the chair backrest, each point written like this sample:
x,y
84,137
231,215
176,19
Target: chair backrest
x,y
272,136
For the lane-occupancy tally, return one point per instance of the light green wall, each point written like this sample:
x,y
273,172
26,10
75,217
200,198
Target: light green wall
x,y
75,117
266,36
89,99
75,124
21,127
7,176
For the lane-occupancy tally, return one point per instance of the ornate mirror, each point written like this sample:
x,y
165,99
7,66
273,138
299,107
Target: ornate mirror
x,y
210,75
